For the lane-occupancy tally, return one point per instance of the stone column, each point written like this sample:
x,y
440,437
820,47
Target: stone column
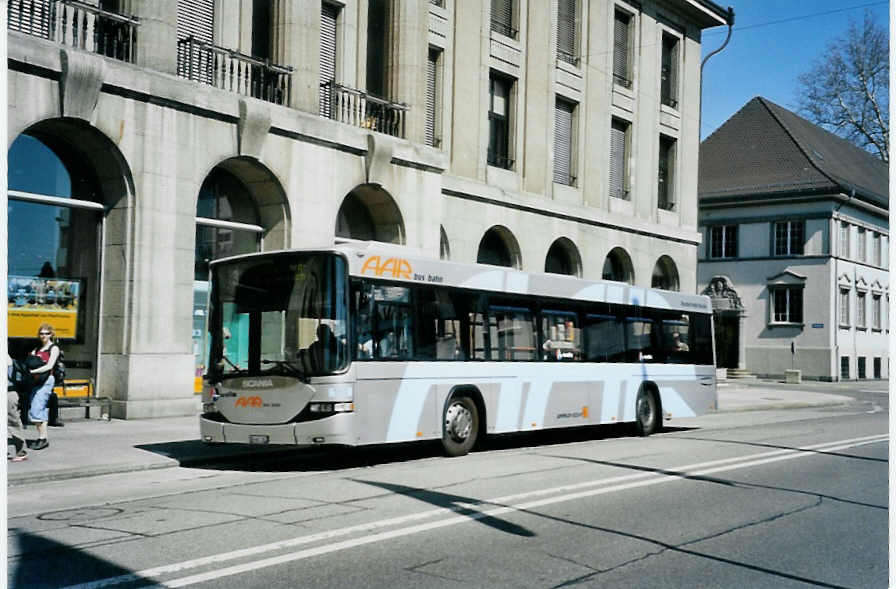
x,y
157,34
409,28
297,45
741,341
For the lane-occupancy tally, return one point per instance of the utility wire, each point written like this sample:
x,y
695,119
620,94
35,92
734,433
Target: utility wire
x,y
738,29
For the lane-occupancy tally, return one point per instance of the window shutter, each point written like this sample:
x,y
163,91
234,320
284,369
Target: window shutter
x,y
33,16
502,17
563,111
620,49
566,31
195,18
328,15
431,97
617,159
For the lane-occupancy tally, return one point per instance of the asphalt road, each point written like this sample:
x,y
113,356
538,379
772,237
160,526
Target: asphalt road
x,y
794,498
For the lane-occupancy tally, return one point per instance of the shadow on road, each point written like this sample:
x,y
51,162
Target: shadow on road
x,y
249,458
31,569
457,503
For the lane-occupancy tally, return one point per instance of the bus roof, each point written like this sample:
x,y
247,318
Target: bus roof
x,y
402,264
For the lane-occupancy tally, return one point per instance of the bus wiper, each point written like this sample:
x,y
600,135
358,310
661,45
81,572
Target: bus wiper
x,y
292,368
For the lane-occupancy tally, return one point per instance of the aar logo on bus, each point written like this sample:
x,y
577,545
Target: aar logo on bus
x,y
395,267
247,401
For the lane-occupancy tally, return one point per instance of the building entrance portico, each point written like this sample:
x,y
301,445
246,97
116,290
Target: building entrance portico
x,y
728,315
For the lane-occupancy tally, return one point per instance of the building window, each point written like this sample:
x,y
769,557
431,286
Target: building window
x,y
860,244
328,16
619,150
844,367
622,67
723,241
378,37
876,257
564,141
787,304
566,31
502,18
666,174
499,94
875,311
789,238
860,310
844,239
877,364
861,367
433,99
844,307
669,71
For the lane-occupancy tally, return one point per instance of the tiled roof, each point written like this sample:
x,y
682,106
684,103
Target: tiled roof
x,y
765,150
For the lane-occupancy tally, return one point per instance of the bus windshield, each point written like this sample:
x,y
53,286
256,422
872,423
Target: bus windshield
x,y
281,314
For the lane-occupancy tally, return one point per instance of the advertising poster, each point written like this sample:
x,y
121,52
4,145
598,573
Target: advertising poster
x,y
32,300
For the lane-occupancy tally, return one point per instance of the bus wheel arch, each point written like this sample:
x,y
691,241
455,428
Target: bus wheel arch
x,y
463,417
648,410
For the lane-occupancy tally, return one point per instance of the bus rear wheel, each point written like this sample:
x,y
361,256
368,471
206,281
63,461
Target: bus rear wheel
x,y
647,413
460,426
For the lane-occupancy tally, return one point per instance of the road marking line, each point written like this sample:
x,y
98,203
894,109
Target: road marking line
x,y
580,490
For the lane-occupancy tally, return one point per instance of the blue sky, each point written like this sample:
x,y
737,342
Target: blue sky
x,y
774,41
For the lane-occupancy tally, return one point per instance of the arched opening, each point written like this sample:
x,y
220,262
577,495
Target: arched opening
x,y
241,208
66,181
665,274
444,249
370,213
618,266
563,258
499,247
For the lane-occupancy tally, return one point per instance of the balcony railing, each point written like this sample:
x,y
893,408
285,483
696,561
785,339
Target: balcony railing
x,y
76,24
357,108
234,71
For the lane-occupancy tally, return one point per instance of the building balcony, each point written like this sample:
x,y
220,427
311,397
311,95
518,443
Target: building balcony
x,y
76,24
233,71
357,108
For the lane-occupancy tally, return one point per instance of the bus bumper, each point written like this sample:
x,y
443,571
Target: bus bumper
x,y
336,429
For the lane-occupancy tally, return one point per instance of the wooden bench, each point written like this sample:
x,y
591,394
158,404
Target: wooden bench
x,y
80,392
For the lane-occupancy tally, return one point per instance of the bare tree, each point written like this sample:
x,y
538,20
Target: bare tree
x,y
846,91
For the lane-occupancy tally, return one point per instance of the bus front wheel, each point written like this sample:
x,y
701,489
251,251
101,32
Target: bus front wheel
x,y
647,413
460,426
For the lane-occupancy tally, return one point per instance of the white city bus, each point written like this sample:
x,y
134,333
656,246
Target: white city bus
x,y
365,344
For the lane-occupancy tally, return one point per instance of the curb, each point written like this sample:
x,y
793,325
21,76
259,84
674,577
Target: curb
x,y
780,406
125,467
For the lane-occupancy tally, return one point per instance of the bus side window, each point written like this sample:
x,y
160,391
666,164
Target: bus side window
x,y
605,338
640,340
561,336
512,333
701,339
676,338
437,335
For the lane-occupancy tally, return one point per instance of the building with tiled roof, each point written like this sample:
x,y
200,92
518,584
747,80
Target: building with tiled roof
x,y
794,255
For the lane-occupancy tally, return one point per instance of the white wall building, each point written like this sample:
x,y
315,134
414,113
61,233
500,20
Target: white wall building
x,y
795,250
150,136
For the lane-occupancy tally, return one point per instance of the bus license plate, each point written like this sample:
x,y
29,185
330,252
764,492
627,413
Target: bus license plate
x,y
259,439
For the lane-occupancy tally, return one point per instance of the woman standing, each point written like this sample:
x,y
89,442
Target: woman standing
x,y
48,353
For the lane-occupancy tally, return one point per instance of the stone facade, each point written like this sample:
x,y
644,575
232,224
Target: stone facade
x,y
152,138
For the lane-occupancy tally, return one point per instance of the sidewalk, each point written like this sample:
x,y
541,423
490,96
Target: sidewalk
x,y
86,448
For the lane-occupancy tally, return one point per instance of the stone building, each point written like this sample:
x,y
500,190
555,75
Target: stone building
x,y
147,137
795,248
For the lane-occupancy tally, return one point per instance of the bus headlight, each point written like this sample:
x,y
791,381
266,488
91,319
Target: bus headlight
x,y
331,407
